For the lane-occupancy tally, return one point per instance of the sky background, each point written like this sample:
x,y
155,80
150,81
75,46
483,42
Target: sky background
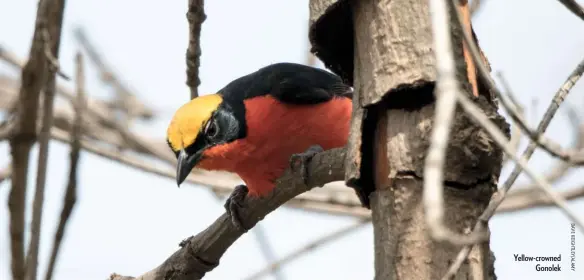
x,y
128,222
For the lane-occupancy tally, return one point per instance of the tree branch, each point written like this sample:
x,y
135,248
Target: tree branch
x,y
446,90
201,253
574,7
5,173
195,16
34,77
530,198
13,60
51,48
537,136
70,197
129,102
515,129
498,198
309,248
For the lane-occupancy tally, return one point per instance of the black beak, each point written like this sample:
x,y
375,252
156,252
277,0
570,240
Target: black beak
x,y
186,163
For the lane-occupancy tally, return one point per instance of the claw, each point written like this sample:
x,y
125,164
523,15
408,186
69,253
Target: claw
x,y
234,203
299,162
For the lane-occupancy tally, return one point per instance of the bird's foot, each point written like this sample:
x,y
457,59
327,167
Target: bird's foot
x,y
299,162
234,203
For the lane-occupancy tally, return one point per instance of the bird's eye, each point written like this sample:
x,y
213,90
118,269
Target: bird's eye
x,y
211,129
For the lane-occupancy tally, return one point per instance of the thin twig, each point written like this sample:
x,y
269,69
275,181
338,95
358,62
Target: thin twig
x,y
5,173
475,112
195,17
568,155
500,138
313,201
475,6
129,102
446,90
70,197
11,59
563,167
574,7
97,109
34,78
44,138
549,114
309,248
536,136
530,198
266,249
515,130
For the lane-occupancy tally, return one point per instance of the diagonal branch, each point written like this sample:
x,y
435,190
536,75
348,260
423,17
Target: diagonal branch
x,y
309,247
498,136
201,253
574,7
537,136
530,198
14,61
562,167
497,199
129,102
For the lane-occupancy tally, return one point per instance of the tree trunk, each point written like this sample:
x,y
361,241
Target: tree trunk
x,y
393,72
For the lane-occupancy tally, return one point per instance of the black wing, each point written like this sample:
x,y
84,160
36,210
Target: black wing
x,y
289,83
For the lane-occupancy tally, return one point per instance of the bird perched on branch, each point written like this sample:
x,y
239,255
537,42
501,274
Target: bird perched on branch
x,y
255,124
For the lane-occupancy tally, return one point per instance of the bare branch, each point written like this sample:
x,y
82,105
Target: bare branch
x,y
537,136
129,102
563,167
530,198
14,61
266,249
35,75
475,6
195,16
44,137
309,248
6,129
201,253
500,195
97,109
70,197
5,173
571,156
515,130
499,137
446,90
574,7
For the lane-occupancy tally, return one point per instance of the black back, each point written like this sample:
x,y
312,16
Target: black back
x,y
289,83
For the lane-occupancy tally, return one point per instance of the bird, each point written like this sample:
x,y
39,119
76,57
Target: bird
x,y
255,124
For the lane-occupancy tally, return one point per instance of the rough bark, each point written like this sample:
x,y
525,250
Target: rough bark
x,y
394,76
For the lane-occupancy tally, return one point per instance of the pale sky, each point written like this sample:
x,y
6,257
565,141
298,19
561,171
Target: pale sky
x,y
128,222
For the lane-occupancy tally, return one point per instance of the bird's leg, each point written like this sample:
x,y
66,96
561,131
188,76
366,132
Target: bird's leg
x,y
299,162
234,203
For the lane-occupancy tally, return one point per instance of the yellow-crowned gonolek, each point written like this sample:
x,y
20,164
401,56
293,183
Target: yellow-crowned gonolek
x,y
256,123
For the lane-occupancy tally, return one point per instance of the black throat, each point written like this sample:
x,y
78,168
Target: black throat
x,y
230,119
